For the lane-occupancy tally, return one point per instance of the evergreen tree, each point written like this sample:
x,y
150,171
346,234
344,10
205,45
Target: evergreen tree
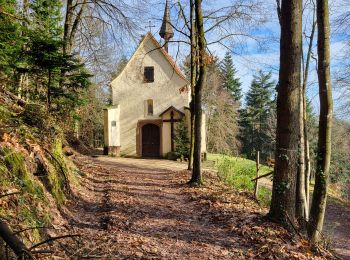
x,y
257,119
182,142
10,39
62,75
230,82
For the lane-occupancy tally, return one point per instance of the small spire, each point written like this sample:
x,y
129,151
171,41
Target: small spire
x,y
166,31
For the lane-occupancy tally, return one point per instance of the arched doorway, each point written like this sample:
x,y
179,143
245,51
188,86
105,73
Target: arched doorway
x,y
150,141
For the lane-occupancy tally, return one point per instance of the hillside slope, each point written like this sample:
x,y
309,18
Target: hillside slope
x,y
35,175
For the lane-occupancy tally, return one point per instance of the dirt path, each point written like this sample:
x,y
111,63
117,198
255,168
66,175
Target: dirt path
x,y
134,212
337,226
126,211
337,222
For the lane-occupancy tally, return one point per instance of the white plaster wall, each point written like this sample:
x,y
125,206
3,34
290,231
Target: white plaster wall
x,y
112,133
130,92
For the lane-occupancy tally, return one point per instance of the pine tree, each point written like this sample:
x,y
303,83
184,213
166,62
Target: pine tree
x,y
230,82
255,119
10,38
62,75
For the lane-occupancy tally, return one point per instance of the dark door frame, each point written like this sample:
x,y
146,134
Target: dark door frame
x,y
140,124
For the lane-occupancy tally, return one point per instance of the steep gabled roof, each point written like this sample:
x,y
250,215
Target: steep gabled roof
x,y
173,109
166,55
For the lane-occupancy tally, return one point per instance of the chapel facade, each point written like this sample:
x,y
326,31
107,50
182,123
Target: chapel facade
x,y
150,97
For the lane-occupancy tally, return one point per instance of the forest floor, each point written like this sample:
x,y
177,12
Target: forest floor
x,y
337,220
124,209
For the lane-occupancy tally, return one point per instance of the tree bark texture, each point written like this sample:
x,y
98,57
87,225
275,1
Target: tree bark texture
x,y
14,242
193,81
196,171
319,198
282,208
71,24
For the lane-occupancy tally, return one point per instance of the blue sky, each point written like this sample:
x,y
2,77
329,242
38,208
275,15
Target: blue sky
x,y
258,49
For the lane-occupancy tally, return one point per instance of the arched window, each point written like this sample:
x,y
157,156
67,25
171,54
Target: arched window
x,y
150,107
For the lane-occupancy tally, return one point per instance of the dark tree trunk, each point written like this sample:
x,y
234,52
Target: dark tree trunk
x,y
48,98
282,208
319,198
196,172
14,242
67,25
71,24
193,81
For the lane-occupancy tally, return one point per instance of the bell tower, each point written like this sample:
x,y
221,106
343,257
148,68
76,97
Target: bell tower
x,y
166,31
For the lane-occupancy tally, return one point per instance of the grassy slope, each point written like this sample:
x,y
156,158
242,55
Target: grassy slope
x,y
238,173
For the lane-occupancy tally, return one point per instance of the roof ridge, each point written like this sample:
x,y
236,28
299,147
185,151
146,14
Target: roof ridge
x,y
169,58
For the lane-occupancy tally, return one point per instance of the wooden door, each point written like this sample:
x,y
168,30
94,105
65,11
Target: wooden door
x,y
150,141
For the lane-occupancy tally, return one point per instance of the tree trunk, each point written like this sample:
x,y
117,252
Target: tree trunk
x,y
196,172
48,97
282,208
67,25
14,242
193,82
301,204
307,161
319,198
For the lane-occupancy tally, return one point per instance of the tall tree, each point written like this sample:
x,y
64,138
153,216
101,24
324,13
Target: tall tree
x,y
319,198
282,208
193,74
196,171
221,112
230,81
304,169
10,40
256,117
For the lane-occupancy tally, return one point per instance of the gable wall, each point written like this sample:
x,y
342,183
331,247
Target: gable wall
x,y
130,92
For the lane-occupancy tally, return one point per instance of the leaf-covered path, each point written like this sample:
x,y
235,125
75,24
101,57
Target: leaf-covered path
x,y
128,212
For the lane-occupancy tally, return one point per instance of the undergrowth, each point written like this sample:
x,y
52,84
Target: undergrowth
x,y
61,169
238,173
16,176
35,175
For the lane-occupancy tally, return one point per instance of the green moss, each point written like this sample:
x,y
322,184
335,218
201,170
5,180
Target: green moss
x,y
30,217
5,114
19,174
26,209
56,176
56,185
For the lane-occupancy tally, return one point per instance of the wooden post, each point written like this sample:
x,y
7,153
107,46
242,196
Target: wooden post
x,y
257,174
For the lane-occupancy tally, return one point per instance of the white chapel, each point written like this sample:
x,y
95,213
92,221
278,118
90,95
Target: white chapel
x,y
150,96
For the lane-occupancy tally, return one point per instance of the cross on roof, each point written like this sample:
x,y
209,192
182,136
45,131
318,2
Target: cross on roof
x,y
150,26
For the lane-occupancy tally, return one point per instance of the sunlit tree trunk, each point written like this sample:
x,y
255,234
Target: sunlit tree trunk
x,y
196,171
301,204
319,198
307,169
283,202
